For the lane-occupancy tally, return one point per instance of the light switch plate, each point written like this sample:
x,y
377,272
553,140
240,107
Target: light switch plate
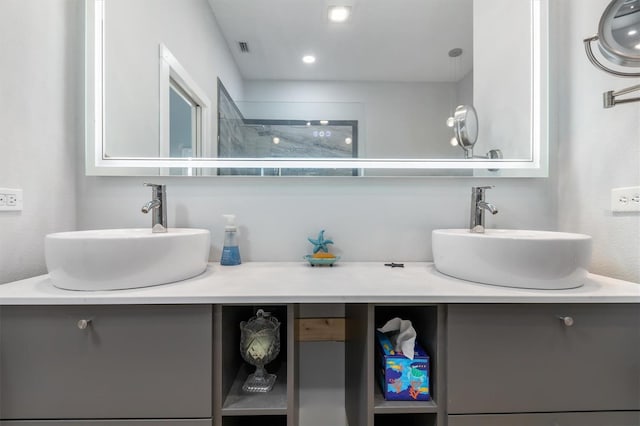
x,y
10,200
625,199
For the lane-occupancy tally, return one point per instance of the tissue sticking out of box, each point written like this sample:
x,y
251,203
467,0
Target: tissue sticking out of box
x,y
402,335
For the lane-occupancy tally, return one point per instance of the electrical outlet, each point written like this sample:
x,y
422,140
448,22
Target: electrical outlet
x,y
625,199
10,199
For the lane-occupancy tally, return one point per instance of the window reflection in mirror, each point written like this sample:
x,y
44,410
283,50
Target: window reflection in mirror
x,y
184,114
183,122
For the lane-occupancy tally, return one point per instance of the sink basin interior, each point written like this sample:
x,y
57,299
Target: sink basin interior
x,y
113,259
513,258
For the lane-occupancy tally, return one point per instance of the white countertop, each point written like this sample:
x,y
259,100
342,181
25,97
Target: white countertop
x,y
297,282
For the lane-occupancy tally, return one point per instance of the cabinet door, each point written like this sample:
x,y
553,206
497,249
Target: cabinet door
x,y
552,419
129,362
523,358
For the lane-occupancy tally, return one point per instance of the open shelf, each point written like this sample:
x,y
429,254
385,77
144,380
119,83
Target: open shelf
x,y
365,404
255,421
404,420
424,319
364,401
382,406
240,403
233,406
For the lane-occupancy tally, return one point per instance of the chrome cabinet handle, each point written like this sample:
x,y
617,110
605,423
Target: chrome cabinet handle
x,y
566,320
84,323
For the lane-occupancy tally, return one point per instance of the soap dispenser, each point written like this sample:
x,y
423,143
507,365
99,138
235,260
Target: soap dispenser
x,y
230,250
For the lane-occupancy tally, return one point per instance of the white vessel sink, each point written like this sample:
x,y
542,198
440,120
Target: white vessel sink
x,y
114,259
513,258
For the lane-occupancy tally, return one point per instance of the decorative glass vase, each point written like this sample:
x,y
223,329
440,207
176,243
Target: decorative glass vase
x,y
259,345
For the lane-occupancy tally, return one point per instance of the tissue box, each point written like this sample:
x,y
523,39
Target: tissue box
x,y
401,378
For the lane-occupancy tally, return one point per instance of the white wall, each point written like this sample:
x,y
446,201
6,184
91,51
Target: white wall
x,y
599,149
40,116
133,32
464,90
501,71
368,218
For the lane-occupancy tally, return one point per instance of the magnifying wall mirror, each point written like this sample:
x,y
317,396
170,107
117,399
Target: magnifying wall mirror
x,y
465,126
618,41
231,87
619,32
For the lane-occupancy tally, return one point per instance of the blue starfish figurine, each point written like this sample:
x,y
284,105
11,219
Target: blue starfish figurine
x,y
320,243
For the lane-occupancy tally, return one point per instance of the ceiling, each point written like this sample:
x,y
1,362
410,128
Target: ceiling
x,y
385,40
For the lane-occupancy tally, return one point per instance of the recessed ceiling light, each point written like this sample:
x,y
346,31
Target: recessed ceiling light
x,y
348,141
276,140
308,59
632,32
324,122
339,13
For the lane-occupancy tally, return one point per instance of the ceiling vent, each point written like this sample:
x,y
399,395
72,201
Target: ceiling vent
x,y
244,46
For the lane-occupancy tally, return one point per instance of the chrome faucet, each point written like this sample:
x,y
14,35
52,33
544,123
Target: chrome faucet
x,y
159,206
478,206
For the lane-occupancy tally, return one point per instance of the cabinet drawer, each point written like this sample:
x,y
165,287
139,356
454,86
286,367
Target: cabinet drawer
x,y
523,358
129,362
628,418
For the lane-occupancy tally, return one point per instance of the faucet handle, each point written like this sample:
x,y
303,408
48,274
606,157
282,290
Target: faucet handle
x,y
481,188
153,185
158,190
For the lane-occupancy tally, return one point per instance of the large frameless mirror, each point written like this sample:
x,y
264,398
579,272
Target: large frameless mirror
x,y
316,88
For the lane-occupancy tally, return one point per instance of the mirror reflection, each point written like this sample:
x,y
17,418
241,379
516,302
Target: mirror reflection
x,y
618,41
369,79
619,32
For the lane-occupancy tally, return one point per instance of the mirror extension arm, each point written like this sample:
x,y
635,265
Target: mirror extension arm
x,y
609,98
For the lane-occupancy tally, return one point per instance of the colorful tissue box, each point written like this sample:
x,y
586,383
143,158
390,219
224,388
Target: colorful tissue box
x,y
401,378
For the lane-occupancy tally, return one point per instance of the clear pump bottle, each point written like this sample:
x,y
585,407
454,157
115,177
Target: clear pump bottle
x,y
230,250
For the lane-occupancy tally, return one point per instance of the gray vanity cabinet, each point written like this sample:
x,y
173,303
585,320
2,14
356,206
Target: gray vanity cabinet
x,y
542,358
129,362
